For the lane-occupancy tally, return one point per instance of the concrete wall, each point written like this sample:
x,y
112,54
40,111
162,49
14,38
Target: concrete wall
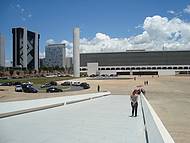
x,y
166,72
92,68
157,133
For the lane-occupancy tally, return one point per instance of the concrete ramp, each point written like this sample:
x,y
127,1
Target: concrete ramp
x,y
98,120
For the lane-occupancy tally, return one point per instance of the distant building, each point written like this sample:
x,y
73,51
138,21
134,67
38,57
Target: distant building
x,y
135,63
2,51
55,55
25,48
69,62
42,62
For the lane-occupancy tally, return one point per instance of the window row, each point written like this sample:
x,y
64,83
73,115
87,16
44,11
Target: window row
x,y
143,68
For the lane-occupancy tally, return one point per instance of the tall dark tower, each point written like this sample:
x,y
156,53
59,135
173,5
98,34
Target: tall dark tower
x,y
25,48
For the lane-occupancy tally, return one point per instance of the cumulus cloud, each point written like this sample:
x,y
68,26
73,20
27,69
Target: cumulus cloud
x,y
187,9
158,32
50,41
41,55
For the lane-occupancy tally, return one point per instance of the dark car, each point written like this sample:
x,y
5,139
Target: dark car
x,y
54,83
29,89
7,84
17,83
66,83
85,85
54,89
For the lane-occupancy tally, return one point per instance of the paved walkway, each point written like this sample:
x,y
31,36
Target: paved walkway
x,y
101,120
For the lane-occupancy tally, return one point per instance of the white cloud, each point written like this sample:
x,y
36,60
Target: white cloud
x,y
50,41
101,37
8,63
41,55
187,9
171,12
68,44
159,32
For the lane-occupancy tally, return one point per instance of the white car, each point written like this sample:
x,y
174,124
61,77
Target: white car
x,y
18,88
75,83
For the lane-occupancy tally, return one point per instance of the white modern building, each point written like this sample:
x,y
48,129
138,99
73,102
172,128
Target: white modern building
x,y
25,48
2,51
55,55
135,63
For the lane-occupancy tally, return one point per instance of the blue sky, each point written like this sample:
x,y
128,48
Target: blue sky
x,y
113,18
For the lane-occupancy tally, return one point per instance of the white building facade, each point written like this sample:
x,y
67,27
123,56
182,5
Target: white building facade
x,y
2,51
135,63
55,55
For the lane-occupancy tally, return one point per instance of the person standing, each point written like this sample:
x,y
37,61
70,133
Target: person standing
x,y
134,102
98,88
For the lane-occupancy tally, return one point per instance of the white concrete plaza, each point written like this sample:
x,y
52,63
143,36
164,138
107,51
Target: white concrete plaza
x,y
100,120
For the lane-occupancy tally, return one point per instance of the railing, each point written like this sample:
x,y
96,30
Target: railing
x,y
155,131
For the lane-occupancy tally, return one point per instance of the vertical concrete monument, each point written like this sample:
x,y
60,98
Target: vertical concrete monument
x,y
76,52
2,50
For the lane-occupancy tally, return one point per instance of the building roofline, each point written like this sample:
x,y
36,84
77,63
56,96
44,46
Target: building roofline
x,y
23,27
137,52
56,44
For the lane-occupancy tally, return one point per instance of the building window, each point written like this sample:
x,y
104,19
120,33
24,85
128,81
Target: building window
x,y
107,68
143,68
112,68
122,68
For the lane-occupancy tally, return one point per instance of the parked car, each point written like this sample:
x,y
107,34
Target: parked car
x,y
7,84
66,83
85,85
45,85
18,88
30,89
17,83
25,85
75,83
54,89
54,83
92,75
